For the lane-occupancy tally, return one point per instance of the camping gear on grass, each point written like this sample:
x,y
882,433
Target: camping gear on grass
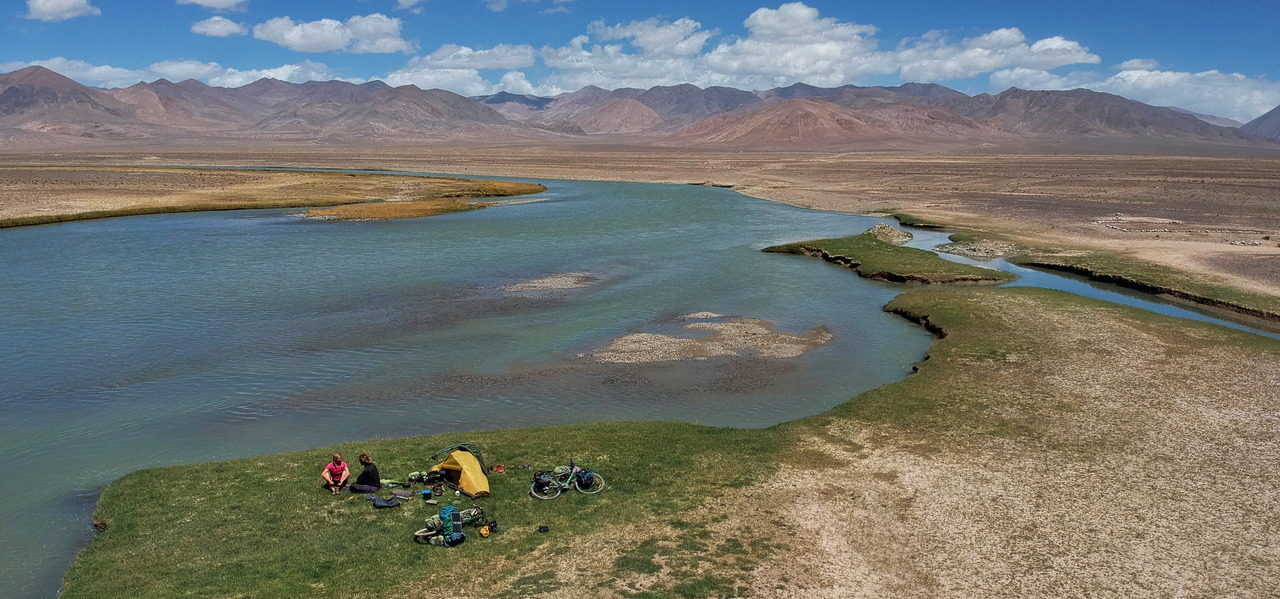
x,y
462,468
381,503
549,484
446,527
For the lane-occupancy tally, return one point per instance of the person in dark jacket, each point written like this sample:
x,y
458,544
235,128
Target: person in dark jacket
x,y
369,481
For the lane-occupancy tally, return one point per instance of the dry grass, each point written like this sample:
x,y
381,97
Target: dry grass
x,y
394,210
31,195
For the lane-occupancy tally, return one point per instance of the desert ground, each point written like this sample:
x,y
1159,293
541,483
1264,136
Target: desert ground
x,y
1218,218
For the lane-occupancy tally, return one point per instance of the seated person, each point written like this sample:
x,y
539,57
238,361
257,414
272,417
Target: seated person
x,y
335,474
368,481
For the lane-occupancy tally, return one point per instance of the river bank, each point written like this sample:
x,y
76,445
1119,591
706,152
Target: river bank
x,y
47,195
1021,460
255,332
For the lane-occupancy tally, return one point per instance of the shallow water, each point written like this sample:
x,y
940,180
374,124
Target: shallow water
x,y
143,341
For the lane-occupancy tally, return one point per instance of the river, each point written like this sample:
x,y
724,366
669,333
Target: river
x,y
168,339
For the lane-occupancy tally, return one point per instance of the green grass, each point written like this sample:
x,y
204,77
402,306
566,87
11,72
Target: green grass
x,y
914,221
876,259
264,525
261,527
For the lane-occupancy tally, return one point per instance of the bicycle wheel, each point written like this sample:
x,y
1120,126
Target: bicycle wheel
x,y
596,486
546,492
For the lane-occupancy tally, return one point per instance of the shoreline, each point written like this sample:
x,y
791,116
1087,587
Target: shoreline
x,y
84,190
958,337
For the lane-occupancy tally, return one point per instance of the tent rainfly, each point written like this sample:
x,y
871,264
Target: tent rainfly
x,y
464,470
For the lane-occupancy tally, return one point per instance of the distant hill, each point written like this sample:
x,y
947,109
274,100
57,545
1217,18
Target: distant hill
x,y
1086,113
1220,121
618,115
39,100
41,108
1266,126
815,122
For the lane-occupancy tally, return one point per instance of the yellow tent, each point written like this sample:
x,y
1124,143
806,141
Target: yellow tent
x,y
464,472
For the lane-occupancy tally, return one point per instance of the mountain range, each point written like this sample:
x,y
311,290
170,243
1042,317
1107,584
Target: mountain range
x,y
41,108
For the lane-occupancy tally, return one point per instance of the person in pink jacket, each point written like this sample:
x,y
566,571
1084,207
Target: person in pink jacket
x,y
335,474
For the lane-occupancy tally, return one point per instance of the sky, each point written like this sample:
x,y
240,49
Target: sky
x,y
1220,58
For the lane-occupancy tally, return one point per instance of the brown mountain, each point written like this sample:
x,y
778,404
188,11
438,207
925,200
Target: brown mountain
x,y
189,105
782,122
618,115
39,100
1086,113
689,102
40,108
1266,126
376,110
1220,121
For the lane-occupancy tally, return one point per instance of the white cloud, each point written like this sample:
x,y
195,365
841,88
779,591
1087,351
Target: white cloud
x,y
684,37
177,70
294,73
218,4
84,72
1025,78
1232,95
409,5
467,82
59,10
1145,64
218,27
502,56
516,83
501,5
315,36
375,33
795,43
933,59
789,44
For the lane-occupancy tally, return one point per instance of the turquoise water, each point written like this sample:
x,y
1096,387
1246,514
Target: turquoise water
x,y
154,340
144,341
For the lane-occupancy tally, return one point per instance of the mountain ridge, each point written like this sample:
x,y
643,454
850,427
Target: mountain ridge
x,y
39,104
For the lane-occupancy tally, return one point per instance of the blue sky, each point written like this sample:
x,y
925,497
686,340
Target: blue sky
x,y
1215,57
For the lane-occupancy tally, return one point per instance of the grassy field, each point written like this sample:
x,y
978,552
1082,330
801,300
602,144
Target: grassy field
x,y
1048,445
262,527
875,259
